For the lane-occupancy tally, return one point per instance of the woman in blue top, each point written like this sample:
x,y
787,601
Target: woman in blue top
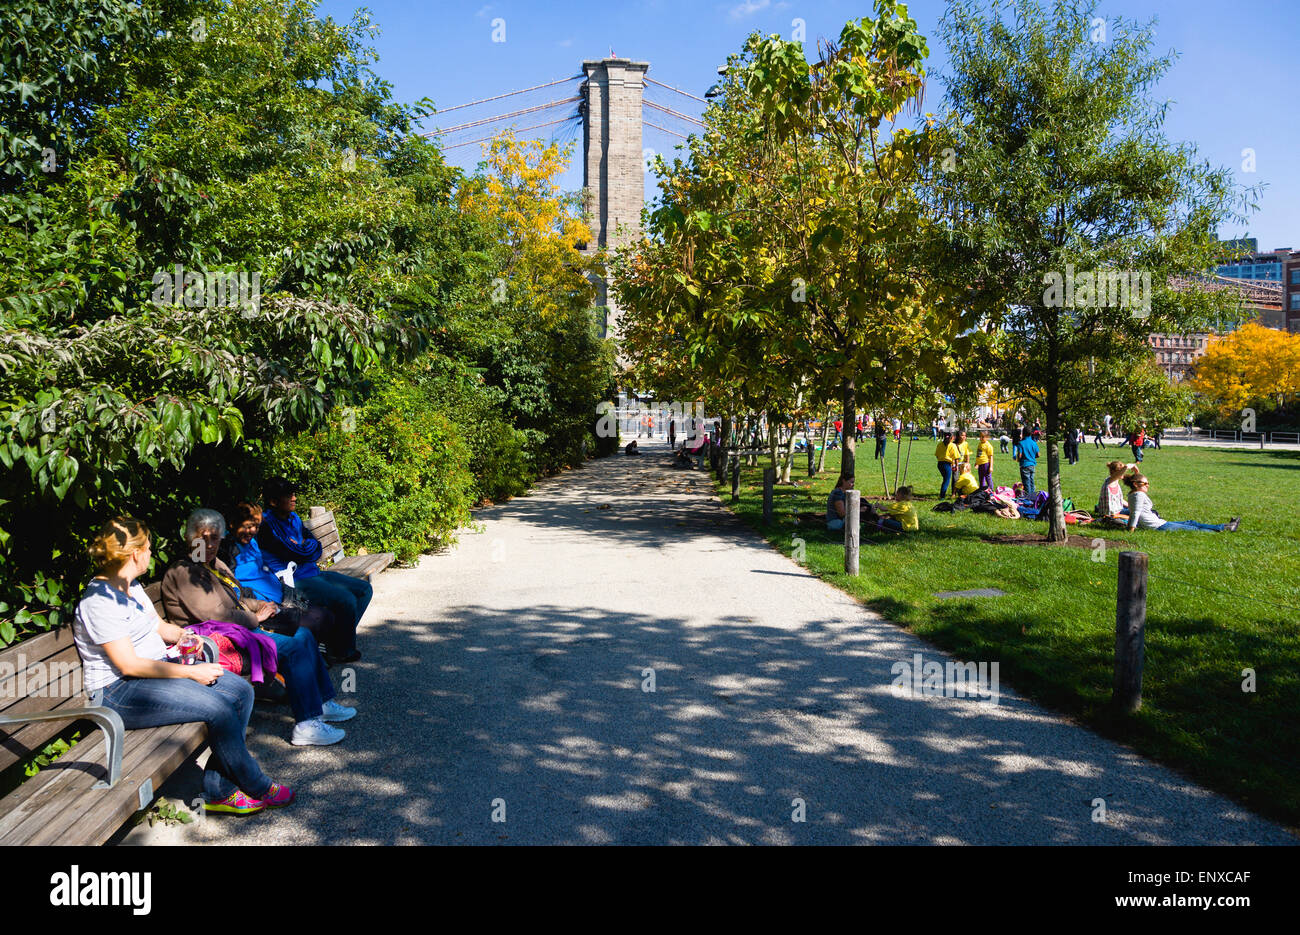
x,y
283,540
123,650
241,552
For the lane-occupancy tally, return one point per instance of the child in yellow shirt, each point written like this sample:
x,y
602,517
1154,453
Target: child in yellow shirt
x,y
984,461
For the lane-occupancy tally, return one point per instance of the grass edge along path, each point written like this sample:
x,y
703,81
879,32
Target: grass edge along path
x,y
1218,603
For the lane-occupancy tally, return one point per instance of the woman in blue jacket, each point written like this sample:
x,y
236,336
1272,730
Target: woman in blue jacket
x,y
283,540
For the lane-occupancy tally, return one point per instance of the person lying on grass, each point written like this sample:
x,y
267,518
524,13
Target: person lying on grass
x,y
868,516
1142,514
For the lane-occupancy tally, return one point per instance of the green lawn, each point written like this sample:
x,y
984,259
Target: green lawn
x,y
1218,602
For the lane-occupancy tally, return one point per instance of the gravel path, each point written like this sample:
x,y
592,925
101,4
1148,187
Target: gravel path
x,y
508,674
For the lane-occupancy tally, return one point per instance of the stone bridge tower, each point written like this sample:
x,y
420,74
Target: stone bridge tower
x,y
613,171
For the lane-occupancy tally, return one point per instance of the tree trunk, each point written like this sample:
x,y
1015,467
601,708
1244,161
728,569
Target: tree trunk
x,y
909,457
1056,528
773,444
848,447
826,435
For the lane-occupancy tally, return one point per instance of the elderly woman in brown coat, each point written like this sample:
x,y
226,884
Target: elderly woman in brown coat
x,y
202,587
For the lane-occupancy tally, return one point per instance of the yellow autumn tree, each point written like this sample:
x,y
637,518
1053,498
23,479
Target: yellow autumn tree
x,y
1251,364
539,226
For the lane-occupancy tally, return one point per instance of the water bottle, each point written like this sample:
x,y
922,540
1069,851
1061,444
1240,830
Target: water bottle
x,y
190,647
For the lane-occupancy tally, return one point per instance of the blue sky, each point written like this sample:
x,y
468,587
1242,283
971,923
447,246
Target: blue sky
x,y
1233,86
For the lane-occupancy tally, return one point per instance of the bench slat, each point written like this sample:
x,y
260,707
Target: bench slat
x,y
60,805
66,664
88,815
364,566
39,647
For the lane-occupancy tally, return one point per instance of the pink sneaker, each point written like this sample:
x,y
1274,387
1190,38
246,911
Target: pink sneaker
x,y
279,796
237,803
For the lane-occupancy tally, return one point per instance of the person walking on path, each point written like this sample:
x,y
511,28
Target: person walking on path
x,y
880,439
672,434
1096,427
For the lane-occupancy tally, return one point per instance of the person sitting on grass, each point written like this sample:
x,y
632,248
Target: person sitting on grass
x,y
1141,513
899,514
1110,505
965,483
201,587
123,648
867,514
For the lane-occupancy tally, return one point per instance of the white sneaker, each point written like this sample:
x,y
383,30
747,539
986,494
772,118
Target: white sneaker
x,y
315,733
333,712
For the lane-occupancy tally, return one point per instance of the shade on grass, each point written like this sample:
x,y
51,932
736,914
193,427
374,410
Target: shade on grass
x,y
1218,603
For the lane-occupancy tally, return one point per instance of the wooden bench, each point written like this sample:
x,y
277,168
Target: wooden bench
x,y
87,794
320,525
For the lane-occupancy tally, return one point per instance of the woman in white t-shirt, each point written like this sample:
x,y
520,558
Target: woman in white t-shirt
x,y
123,647
1142,514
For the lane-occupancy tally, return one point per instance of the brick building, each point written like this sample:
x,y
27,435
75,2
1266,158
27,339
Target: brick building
x,y
1176,353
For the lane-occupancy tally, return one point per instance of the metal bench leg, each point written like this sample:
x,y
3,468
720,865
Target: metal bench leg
x,y
106,719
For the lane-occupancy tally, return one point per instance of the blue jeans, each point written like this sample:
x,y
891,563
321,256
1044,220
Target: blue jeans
x,y
223,707
1174,526
346,597
1137,452
1027,478
945,471
835,524
305,676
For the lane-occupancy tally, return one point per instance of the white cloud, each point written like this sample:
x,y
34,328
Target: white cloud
x,y
564,43
748,7
484,10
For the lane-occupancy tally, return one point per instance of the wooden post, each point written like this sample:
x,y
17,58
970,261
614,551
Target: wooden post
x,y
735,477
1262,436
852,499
769,478
1130,627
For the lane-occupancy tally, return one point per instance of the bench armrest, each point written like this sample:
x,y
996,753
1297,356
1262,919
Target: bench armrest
x,y
106,719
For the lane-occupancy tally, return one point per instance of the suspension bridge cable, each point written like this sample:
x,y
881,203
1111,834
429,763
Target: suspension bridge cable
x,y
678,90
517,113
678,114
535,126
498,97
664,129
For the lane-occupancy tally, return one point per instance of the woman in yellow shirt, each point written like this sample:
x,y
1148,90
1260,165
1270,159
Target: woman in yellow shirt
x,y
947,455
984,461
963,448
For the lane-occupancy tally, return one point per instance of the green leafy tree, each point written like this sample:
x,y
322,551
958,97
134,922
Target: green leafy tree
x,y
1059,172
